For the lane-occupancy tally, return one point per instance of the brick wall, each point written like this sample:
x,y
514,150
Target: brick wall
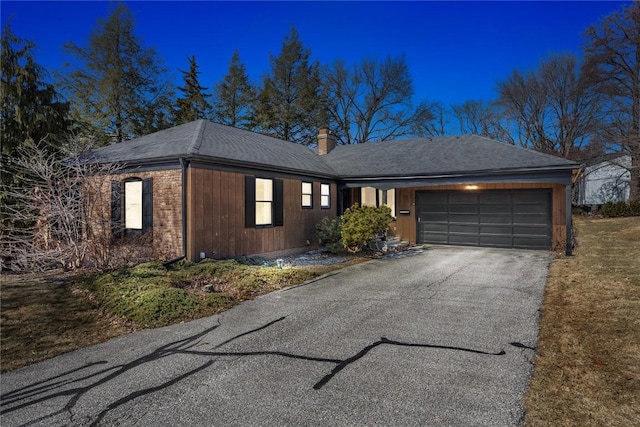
x,y
166,234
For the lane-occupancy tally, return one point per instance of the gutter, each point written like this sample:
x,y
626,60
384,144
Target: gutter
x,y
168,161
475,173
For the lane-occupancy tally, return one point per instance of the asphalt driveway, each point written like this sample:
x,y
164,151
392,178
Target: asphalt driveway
x,y
443,337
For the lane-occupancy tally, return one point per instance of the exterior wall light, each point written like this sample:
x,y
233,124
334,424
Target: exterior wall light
x,y
471,187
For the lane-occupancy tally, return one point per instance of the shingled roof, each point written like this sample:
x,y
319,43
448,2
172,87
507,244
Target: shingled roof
x,y
214,142
205,140
466,154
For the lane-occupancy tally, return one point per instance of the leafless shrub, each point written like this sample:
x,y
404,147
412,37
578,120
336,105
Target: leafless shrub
x,y
52,217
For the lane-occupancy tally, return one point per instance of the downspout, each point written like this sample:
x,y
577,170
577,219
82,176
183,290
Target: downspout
x,y
183,167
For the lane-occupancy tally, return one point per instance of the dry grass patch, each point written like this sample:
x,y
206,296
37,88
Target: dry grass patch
x,y
46,315
587,371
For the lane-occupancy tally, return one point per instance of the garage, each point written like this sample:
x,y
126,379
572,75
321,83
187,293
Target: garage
x,y
493,218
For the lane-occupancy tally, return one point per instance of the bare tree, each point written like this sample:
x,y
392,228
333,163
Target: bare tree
x,y
552,108
54,219
480,118
435,120
372,101
612,67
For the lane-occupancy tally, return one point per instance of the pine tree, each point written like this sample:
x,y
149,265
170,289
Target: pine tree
x,y
289,104
193,104
234,96
116,82
32,111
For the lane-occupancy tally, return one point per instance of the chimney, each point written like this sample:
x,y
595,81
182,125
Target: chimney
x,y
326,141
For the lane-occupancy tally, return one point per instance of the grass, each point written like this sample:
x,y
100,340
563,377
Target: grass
x,y
46,315
43,316
151,295
587,371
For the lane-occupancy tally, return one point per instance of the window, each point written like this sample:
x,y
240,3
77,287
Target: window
x,y
133,205
390,196
370,196
325,196
264,201
307,195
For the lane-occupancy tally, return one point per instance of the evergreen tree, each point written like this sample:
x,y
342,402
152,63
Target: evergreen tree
x,y
193,104
155,115
115,85
234,96
32,111
289,105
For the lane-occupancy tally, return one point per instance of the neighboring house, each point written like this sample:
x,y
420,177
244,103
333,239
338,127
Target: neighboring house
x,y
606,181
206,190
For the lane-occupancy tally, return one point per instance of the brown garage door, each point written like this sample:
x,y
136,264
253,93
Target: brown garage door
x,y
496,218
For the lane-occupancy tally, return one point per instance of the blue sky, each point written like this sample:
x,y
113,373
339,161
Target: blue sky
x,y
456,50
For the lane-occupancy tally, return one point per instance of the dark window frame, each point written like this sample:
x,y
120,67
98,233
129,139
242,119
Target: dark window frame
x,y
270,202
124,205
328,196
250,202
310,205
118,207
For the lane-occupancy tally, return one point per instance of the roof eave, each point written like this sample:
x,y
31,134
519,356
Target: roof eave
x,y
508,171
165,160
260,166
554,175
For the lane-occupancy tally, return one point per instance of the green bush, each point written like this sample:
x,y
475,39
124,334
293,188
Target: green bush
x,y
147,269
151,295
618,209
210,267
329,234
145,295
362,224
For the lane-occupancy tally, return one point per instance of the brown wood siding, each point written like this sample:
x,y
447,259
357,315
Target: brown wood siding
x,y
406,198
215,201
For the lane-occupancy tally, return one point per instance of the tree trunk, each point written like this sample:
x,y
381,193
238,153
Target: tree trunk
x,y
634,187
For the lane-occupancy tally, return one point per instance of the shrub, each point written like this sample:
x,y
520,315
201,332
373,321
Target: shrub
x,y
145,295
580,210
618,209
329,234
151,295
362,224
